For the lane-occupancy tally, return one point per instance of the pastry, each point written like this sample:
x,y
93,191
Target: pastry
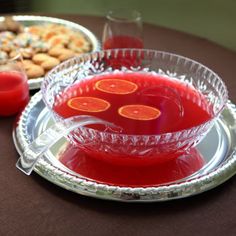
x,y
50,63
61,53
34,71
40,58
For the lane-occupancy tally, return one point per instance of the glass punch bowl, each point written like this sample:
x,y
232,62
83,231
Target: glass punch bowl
x,y
127,148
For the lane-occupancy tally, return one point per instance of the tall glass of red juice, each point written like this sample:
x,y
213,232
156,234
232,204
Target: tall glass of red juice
x,y
123,29
14,89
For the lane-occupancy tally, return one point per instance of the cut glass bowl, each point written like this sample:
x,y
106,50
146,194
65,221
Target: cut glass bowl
x,y
133,149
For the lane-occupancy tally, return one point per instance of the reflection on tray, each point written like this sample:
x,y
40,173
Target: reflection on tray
x,y
152,175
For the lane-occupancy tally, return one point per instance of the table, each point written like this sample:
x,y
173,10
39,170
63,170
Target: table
x,y
34,206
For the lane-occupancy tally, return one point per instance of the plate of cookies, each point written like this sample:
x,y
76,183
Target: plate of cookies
x,y
44,42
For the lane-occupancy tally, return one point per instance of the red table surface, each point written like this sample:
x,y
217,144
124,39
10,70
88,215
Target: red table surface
x,y
34,206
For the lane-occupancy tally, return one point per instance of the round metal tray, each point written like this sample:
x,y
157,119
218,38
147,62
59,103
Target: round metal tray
x,y
28,20
217,148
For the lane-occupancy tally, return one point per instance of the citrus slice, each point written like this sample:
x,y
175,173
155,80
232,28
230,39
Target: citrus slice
x,y
139,112
116,86
88,104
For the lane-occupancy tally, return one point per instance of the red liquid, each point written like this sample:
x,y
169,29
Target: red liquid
x,y
178,106
14,93
117,60
150,92
123,41
150,175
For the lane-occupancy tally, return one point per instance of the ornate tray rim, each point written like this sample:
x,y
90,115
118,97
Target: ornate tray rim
x,y
86,187
35,83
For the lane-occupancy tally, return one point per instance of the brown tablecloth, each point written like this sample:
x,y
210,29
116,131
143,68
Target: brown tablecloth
x,y
34,206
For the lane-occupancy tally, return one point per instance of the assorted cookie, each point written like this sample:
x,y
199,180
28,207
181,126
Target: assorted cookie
x,y
41,46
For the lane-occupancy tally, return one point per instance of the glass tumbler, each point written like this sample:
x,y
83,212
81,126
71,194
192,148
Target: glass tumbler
x,y
14,88
123,29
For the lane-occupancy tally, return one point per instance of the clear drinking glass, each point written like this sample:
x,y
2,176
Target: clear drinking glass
x,y
123,29
14,89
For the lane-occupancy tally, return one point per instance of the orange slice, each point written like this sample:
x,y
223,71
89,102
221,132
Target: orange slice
x,y
88,104
116,86
139,112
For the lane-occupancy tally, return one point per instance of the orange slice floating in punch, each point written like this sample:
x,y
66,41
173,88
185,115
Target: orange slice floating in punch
x,y
88,104
139,112
116,86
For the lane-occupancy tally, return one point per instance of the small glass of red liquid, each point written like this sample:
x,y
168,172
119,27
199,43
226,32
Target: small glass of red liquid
x,y
123,29
14,88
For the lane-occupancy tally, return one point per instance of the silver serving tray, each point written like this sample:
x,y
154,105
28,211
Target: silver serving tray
x,y
28,20
217,148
